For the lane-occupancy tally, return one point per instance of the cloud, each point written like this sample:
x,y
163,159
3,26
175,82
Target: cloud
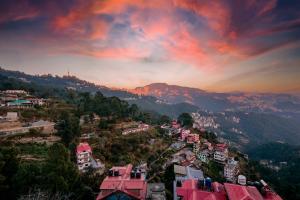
x,y
198,32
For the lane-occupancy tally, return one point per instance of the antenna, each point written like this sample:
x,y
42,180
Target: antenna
x,y
68,73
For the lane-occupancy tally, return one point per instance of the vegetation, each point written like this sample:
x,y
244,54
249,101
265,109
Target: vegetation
x,y
286,181
186,120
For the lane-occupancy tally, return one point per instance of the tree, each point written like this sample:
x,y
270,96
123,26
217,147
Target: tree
x,y
186,119
9,164
68,127
60,173
164,119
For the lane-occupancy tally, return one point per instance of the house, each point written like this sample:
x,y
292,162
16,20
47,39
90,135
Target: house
x,y
231,170
238,192
182,173
192,138
141,127
203,156
184,134
156,191
20,103
221,153
12,116
196,147
17,92
84,156
175,124
123,182
195,189
242,180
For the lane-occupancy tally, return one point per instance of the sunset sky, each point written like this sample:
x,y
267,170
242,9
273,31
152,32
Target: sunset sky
x,y
228,45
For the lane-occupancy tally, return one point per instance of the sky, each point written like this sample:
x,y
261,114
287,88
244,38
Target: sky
x,y
215,45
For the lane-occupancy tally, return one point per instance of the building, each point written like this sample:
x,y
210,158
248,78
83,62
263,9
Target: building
x,y
175,125
183,173
123,182
192,138
242,180
11,116
238,192
156,191
231,170
196,147
203,156
17,92
140,128
194,189
84,156
221,153
184,134
19,103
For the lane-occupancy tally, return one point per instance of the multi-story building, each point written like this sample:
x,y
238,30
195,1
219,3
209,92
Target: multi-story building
x,y
84,156
197,189
123,182
231,170
203,156
192,138
221,153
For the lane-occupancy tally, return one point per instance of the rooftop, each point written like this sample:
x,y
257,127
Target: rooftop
x,y
238,192
121,181
83,147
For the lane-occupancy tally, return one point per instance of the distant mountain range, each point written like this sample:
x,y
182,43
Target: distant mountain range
x,y
263,117
283,104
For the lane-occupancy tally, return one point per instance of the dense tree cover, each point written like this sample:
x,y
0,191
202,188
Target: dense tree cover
x,y
286,181
68,127
186,119
9,164
56,175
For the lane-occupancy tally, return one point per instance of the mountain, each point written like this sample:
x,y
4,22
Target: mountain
x,y
281,104
149,103
74,83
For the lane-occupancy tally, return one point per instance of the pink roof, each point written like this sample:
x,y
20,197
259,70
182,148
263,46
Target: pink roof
x,y
83,147
221,147
189,191
123,183
270,195
239,192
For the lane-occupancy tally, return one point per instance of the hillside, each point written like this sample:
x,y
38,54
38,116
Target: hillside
x,y
73,83
286,179
279,104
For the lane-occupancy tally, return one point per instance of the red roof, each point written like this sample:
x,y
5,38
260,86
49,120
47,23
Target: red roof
x,y
189,191
239,192
270,195
221,147
134,187
83,147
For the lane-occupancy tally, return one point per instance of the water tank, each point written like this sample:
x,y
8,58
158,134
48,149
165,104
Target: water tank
x,y
208,183
132,174
178,183
242,180
138,175
200,184
116,173
110,172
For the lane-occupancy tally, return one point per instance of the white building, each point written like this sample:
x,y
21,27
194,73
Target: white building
x,y
12,116
231,170
221,153
84,156
242,180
